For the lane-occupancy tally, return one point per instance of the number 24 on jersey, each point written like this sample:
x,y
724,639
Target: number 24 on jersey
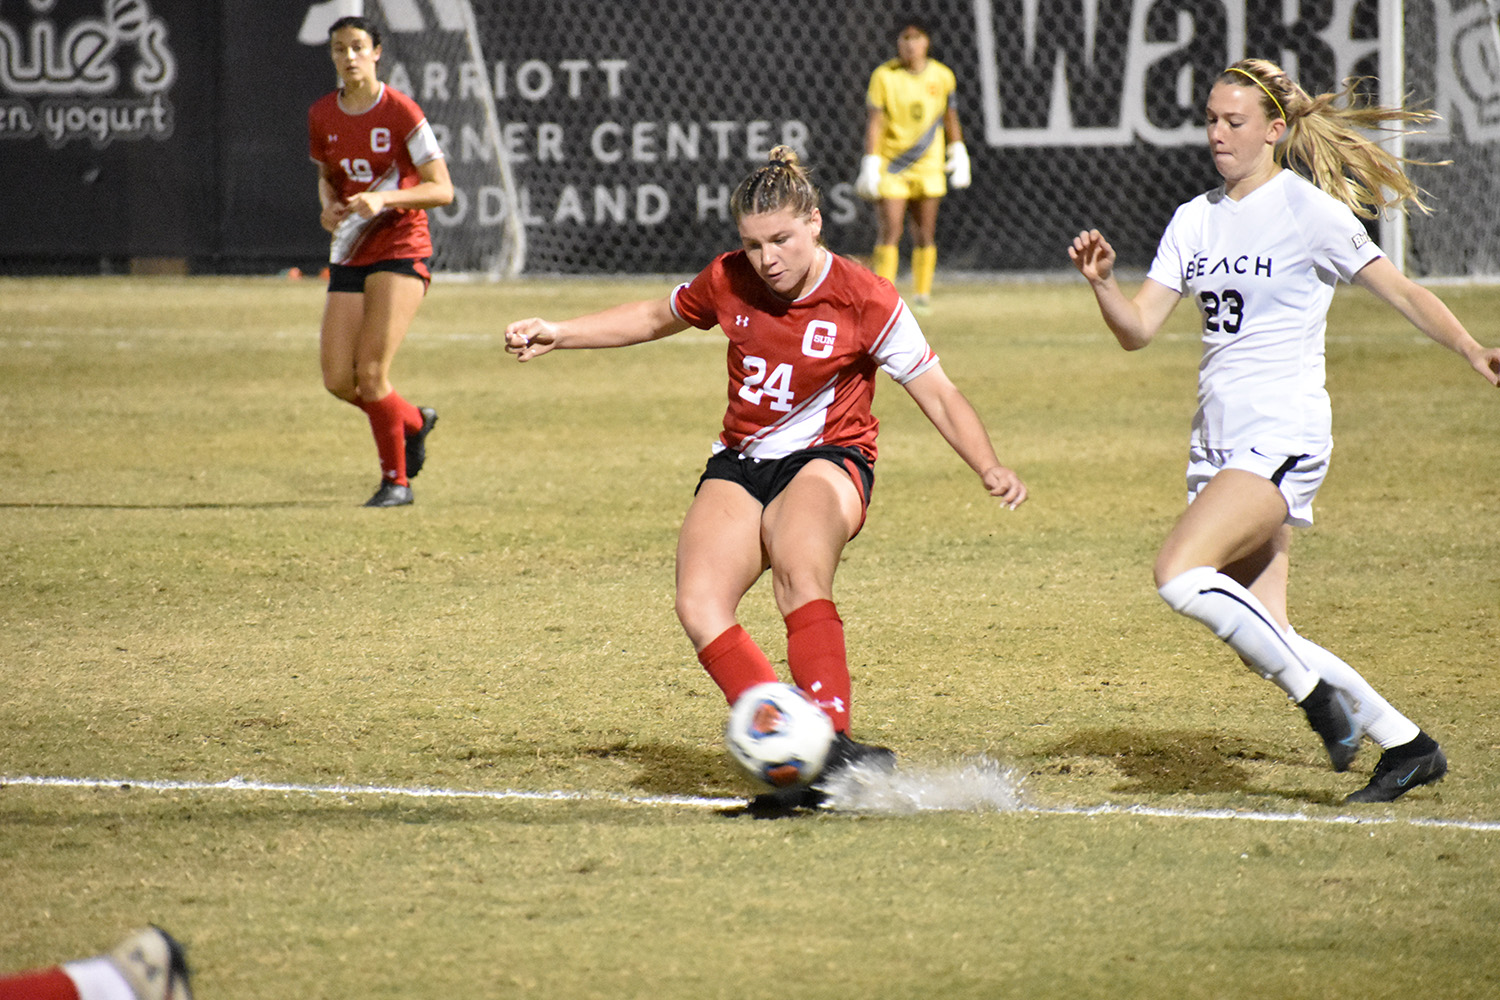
x,y
775,384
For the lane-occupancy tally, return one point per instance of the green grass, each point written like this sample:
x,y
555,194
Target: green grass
x,y
191,592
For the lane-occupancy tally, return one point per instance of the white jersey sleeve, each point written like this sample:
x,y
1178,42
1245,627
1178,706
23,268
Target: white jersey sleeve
x,y
1336,237
422,144
1167,267
902,350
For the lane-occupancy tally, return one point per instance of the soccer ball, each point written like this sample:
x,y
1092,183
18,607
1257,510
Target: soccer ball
x,y
778,735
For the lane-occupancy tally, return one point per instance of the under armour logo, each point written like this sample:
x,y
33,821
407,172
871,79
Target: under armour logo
x,y
742,321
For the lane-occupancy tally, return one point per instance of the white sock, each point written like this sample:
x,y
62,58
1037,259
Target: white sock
x,y
98,979
1237,616
1380,721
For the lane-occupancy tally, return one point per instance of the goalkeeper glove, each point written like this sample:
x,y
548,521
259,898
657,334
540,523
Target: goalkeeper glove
x,y
868,184
957,167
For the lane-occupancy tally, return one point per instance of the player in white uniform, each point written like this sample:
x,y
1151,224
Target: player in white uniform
x,y
1260,257
790,478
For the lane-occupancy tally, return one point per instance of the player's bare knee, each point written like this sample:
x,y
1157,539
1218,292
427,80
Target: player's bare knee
x,y
342,388
701,618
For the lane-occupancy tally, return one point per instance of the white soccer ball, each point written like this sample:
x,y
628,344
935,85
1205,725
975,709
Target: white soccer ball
x,y
778,735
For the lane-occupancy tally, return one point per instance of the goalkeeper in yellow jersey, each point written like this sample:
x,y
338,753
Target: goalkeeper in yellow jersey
x,y
912,139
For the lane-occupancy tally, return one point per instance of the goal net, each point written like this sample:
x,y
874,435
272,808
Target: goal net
x,y
602,136
433,50
1452,63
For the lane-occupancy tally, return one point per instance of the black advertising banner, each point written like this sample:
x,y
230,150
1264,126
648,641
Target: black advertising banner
x,y
157,128
107,127
275,64
177,127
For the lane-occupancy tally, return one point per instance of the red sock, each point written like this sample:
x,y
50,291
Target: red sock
x,y
390,418
820,665
735,663
48,984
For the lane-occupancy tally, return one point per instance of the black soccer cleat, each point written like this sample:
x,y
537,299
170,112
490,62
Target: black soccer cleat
x,y
785,801
1400,769
1331,715
846,753
416,442
843,754
390,494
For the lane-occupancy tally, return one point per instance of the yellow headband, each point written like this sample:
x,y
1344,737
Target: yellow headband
x,y
1256,80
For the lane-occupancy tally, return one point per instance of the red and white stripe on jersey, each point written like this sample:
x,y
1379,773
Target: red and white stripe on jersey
x,y
376,150
802,373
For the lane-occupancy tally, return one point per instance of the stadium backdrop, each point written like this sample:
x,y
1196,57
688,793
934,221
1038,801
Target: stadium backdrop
x,y
174,128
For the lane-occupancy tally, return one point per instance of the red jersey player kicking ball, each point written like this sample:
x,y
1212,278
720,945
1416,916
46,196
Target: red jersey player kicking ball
x,y
789,481
379,168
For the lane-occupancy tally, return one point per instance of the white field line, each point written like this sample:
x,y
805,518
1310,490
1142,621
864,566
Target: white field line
x,y
420,792
706,802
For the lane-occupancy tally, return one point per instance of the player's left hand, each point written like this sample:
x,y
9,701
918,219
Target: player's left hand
x,y
1004,485
367,204
957,166
1487,363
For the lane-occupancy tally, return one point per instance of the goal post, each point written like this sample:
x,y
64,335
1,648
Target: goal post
x,y
1392,91
432,50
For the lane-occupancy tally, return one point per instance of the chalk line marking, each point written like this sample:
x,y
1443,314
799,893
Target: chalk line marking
x,y
710,802
420,791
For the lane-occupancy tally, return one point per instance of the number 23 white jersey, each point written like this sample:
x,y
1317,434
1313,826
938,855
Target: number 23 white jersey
x,y
1262,272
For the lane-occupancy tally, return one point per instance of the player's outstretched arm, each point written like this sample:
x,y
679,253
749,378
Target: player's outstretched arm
x,y
1134,322
618,326
955,419
1428,313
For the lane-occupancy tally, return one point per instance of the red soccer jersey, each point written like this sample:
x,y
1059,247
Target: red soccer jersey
x,y
802,373
376,150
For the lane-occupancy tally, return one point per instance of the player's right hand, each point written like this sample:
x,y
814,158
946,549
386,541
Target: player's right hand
x,y
1092,255
528,338
332,215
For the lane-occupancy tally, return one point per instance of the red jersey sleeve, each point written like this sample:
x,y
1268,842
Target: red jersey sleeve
x,y
696,302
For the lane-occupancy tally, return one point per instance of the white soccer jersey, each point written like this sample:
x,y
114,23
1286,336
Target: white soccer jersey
x,y
1262,271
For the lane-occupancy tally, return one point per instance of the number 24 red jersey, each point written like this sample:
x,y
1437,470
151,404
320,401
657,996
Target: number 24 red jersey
x,y
802,373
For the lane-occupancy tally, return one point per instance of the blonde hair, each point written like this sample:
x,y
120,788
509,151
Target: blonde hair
x,y
782,183
1325,140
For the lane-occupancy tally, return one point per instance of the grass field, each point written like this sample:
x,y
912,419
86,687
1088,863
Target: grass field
x,y
191,594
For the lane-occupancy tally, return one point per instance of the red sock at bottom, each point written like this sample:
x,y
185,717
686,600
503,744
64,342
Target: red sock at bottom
x,y
390,418
735,663
818,660
46,984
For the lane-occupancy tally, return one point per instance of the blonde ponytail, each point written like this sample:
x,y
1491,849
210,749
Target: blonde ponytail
x,y
1325,139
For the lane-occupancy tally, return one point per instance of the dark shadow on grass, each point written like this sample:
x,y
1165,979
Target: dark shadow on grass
x,y
670,769
1166,762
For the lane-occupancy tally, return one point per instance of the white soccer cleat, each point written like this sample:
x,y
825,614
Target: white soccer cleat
x,y
154,965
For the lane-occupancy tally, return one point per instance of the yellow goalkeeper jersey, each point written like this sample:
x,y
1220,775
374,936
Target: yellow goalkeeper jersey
x,y
913,104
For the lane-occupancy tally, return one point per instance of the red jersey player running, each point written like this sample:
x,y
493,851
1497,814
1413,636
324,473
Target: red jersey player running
x,y
379,167
789,482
